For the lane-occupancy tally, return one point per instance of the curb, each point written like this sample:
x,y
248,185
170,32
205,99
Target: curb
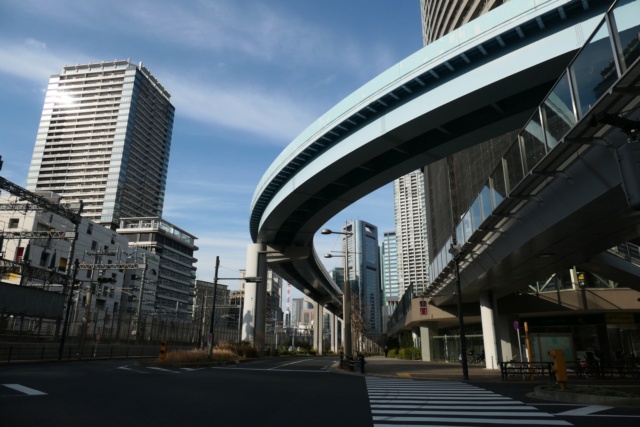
x,y
585,399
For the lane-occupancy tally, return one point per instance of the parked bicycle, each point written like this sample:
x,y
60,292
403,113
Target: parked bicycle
x,y
588,367
513,367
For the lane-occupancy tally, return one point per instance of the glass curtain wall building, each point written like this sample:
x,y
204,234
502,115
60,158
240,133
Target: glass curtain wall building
x,y
104,138
364,272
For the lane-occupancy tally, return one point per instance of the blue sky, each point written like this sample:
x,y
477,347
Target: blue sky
x,y
246,77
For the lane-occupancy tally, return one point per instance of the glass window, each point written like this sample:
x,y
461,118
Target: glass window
x,y
593,70
557,111
498,185
468,228
513,164
626,18
476,214
533,145
485,197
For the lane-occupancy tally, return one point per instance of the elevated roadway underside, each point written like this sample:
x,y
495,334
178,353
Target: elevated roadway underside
x,y
485,99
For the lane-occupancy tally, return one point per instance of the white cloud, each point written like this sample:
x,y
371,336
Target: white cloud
x,y
254,110
31,60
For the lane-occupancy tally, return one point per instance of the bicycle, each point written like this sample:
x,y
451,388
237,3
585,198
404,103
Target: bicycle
x,y
512,367
586,369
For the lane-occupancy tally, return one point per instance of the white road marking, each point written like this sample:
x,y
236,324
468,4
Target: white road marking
x,y
163,369
586,410
287,364
25,390
408,402
126,368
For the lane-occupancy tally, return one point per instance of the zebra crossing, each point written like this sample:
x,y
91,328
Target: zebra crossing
x,y
401,402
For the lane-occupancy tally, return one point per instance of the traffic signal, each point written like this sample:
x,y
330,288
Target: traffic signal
x,y
559,366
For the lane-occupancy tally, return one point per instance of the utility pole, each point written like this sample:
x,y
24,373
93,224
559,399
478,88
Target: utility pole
x,y
66,316
140,295
213,307
92,288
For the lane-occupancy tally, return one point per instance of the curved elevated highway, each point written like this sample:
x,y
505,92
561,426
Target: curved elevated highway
x,y
481,81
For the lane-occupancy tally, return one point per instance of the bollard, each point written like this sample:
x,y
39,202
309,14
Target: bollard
x,y
361,363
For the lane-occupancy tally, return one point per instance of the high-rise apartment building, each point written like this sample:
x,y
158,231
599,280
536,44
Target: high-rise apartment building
x,y
389,264
411,232
104,138
440,17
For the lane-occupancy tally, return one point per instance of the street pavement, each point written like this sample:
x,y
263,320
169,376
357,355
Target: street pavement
x,y
391,367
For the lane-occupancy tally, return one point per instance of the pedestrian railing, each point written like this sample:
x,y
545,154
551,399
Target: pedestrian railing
x,y
25,352
513,370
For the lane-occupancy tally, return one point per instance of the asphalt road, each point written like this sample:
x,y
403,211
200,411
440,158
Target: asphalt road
x,y
270,392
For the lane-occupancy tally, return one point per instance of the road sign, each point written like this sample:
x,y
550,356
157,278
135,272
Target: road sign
x,y
515,325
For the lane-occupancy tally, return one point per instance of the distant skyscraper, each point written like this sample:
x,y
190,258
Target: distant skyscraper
x,y
296,311
104,138
390,278
411,232
337,274
364,272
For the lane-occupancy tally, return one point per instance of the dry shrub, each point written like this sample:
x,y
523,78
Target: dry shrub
x,y
199,356
224,345
242,350
223,354
186,356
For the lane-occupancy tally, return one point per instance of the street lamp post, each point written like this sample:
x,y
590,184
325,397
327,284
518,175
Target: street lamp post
x,y
455,251
346,292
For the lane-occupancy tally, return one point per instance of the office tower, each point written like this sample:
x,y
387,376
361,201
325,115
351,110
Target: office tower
x,y
274,298
411,232
364,272
389,264
104,138
337,274
296,311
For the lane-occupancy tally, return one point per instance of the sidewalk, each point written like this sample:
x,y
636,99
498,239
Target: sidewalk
x,y
390,367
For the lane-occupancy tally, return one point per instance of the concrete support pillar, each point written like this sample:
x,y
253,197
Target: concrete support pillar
x,y
500,332
255,297
338,332
415,336
318,326
490,335
427,331
333,321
